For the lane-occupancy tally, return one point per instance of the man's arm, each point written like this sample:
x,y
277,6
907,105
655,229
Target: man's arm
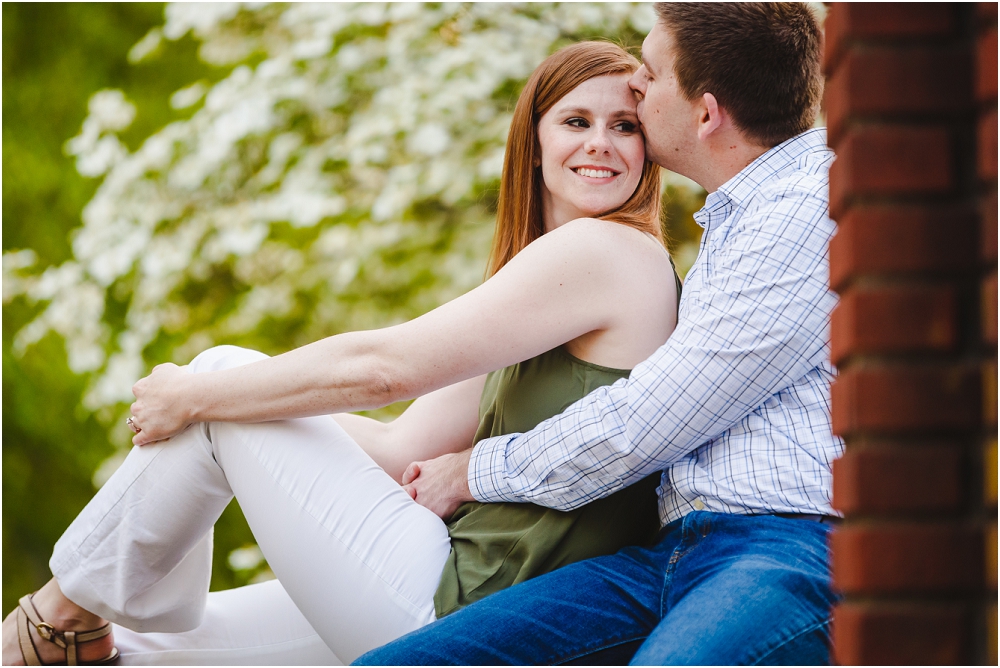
x,y
759,323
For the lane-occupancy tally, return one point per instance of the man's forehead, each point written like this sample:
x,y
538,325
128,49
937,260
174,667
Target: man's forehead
x,y
656,48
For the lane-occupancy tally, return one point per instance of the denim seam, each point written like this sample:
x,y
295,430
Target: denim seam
x,y
668,574
808,629
597,648
690,538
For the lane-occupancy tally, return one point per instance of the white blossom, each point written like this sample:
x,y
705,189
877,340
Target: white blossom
x,y
146,46
364,133
188,96
245,558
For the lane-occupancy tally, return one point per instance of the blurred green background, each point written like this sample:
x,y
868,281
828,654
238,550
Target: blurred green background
x,y
55,57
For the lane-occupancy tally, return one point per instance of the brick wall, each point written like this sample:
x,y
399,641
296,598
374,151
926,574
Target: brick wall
x,y
911,105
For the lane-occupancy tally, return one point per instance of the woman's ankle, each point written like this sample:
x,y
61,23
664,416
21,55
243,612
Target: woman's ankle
x,y
62,613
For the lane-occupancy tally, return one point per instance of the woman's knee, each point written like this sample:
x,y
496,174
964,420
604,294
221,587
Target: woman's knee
x,y
224,357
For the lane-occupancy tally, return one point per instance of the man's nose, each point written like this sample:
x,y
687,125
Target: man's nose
x,y
637,82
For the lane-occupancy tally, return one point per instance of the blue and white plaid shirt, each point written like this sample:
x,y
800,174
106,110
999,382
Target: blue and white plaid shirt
x,y
735,406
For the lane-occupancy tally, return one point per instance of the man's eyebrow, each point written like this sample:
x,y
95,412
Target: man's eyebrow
x,y
645,62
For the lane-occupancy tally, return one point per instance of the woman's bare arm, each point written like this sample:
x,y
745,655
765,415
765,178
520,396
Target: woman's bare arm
x,y
435,424
565,284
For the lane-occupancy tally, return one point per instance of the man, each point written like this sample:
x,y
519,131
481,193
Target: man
x,y
734,408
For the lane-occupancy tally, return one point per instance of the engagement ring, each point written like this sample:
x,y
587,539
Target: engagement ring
x,y
132,425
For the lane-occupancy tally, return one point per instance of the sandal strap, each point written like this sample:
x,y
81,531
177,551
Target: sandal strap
x,y
67,640
28,651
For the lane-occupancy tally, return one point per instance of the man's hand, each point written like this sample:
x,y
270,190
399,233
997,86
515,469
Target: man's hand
x,y
440,484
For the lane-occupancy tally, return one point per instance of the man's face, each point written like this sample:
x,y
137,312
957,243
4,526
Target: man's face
x,y
667,118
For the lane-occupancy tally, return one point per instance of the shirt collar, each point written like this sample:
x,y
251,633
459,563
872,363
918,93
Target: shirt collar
x,y
749,179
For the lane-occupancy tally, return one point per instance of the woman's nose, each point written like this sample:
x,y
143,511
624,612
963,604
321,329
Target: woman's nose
x,y
598,142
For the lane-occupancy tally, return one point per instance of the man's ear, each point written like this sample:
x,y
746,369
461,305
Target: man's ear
x,y
710,116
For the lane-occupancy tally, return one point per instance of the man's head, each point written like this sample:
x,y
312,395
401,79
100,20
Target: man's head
x,y
755,66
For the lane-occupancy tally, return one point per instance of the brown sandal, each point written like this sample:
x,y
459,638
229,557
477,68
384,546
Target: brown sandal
x,y
27,614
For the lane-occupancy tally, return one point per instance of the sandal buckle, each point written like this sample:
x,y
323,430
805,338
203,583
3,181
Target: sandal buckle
x,y
46,631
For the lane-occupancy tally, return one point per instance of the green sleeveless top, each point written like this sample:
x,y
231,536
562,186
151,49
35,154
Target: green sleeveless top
x,y
496,545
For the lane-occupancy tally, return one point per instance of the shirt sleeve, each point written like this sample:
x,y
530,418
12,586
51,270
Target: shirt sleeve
x,y
759,322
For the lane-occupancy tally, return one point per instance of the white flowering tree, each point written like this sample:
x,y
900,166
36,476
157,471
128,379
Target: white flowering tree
x,y
342,176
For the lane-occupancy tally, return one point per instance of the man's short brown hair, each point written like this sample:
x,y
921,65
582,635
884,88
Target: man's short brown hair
x,y
759,59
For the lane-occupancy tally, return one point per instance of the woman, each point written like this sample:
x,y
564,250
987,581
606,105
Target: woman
x,y
580,290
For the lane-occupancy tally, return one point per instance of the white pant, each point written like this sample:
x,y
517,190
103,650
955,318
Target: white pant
x,y
357,556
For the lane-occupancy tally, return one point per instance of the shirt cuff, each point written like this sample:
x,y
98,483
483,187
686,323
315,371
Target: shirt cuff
x,y
488,471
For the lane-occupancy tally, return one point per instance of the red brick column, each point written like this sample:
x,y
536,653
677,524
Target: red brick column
x,y
911,111
986,172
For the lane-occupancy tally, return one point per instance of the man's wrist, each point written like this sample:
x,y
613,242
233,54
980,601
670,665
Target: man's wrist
x,y
463,493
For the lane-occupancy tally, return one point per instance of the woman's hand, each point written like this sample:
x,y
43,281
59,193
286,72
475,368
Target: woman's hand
x,y
159,410
442,484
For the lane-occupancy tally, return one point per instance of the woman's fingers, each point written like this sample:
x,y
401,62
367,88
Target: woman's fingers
x,y
157,411
410,474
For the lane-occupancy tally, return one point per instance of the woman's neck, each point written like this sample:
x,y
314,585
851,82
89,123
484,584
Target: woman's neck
x,y
554,216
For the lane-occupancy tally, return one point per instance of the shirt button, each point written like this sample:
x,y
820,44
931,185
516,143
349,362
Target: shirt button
x,y
698,505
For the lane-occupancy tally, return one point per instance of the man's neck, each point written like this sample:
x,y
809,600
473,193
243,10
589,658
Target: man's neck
x,y
724,160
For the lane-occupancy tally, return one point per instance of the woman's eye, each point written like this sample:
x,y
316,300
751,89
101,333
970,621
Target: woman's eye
x,y
578,123
626,127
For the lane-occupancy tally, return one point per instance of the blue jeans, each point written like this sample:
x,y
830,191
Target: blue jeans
x,y
713,589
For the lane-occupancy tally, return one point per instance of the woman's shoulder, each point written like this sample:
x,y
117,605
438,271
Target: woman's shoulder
x,y
601,232
614,245
596,254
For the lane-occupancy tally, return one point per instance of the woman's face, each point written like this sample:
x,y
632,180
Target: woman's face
x,y
592,150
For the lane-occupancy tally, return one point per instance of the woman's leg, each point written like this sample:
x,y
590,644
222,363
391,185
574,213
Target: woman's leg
x,y
253,625
357,556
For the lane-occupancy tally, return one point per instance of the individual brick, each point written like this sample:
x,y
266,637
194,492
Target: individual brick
x,y
905,558
847,22
988,308
894,319
989,474
888,160
889,240
990,556
897,479
904,399
991,621
887,81
988,227
986,154
986,65
989,392
900,634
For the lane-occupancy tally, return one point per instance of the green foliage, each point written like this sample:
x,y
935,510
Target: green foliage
x,y
54,57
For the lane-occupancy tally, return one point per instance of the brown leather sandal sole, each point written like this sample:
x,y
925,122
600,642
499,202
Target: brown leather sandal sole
x,y
67,640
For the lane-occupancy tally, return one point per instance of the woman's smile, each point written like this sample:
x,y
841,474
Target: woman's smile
x,y
596,173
